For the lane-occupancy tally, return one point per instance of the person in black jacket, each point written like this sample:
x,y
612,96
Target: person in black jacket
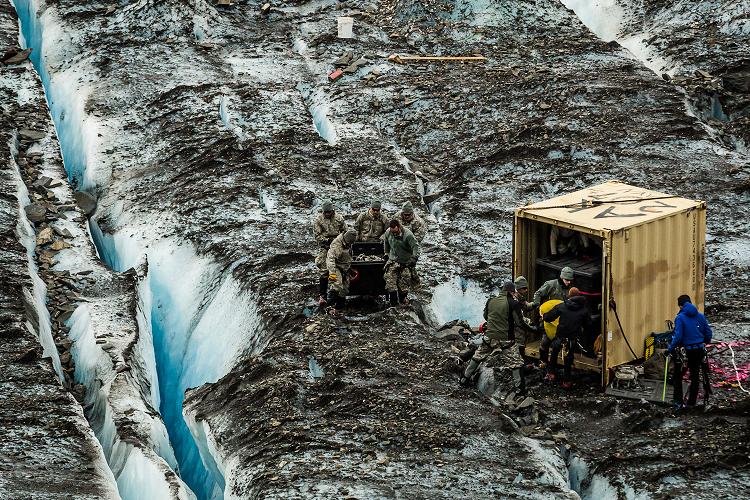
x,y
574,318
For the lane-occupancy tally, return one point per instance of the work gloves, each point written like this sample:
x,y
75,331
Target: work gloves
x,y
332,277
412,262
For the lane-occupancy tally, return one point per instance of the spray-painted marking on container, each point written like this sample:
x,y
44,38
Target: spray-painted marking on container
x,y
656,207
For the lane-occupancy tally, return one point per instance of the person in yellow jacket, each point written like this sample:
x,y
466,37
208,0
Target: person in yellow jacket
x,y
550,330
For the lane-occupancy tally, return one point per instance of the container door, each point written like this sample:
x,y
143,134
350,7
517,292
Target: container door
x,y
606,293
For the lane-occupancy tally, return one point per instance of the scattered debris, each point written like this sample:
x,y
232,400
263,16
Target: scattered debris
x,y
15,57
86,202
346,24
399,59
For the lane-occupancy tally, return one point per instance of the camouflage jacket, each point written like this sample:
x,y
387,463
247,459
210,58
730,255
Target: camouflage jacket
x,y
339,256
326,229
551,290
370,227
416,226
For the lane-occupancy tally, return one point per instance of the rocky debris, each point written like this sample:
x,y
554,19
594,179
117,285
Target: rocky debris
x,y
73,276
708,57
539,117
31,135
15,56
47,448
456,330
36,212
86,201
328,433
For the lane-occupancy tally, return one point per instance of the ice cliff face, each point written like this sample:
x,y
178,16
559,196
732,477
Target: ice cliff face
x,y
208,136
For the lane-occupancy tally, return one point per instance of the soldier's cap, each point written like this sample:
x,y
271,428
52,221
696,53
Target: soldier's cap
x,y
327,206
567,273
508,286
350,236
521,282
407,208
376,204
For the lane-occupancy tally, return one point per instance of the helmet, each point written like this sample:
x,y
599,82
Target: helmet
x,y
508,286
327,206
375,204
567,273
407,208
521,282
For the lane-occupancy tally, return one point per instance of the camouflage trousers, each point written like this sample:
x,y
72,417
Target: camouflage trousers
x,y
341,285
400,277
524,337
320,261
501,353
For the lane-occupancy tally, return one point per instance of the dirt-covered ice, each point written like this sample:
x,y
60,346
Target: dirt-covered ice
x,y
209,135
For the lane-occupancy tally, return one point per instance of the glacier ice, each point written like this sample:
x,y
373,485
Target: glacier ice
x,y
458,298
38,294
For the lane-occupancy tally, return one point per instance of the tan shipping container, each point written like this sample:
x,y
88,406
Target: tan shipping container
x,y
652,250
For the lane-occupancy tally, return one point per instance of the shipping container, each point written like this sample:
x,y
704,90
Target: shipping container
x,y
635,251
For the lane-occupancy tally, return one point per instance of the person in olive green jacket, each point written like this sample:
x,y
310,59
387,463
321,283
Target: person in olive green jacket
x,y
402,251
555,289
498,340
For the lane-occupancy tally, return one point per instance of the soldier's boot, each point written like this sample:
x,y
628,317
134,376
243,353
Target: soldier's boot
x,y
519,382
393,298
404,296
340,302
333,303
469,372
323,290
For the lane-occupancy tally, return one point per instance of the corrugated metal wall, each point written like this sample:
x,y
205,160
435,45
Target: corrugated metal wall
x,y
651,265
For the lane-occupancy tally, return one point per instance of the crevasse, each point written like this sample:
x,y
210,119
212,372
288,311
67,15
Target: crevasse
x,y
200,319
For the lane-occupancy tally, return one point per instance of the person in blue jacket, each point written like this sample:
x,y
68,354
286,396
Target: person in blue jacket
x,y
691,331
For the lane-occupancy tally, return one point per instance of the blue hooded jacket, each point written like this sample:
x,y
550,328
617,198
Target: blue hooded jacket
x,y
690,328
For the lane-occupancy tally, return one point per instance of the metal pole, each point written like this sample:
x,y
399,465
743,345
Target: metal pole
x,y
664,388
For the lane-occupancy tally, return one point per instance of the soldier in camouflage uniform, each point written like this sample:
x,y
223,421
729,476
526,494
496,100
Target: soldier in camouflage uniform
x,y
371,224
326,227
498,343
402,250
338,264
555,289
408,219
524,332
